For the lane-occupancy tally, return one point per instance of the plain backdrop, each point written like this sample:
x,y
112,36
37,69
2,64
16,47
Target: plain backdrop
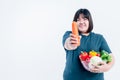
x,y
31,34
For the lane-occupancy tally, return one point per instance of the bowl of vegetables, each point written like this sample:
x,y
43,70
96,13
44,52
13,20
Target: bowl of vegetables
x,y
88,59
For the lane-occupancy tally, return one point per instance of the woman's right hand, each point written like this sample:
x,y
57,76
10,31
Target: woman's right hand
x,y
71,42
74,40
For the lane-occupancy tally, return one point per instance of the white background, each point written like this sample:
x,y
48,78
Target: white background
x,y
31,36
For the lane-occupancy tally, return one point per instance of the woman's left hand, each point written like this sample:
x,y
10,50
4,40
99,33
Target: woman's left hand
x,y
102,67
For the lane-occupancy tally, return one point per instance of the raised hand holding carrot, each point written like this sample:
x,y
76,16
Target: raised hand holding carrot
x,y
75,32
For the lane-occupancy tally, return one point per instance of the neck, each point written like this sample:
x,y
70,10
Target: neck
x,y
86,34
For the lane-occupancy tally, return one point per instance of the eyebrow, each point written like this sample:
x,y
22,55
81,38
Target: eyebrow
x,y
81,17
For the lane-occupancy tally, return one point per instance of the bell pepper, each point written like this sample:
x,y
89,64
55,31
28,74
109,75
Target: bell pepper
x,y
93,53
83,56
98,54
109,59
105,56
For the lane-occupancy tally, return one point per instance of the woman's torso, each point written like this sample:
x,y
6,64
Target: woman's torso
x,y
74,69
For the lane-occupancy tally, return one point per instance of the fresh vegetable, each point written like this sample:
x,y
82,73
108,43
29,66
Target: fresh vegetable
x,y
95,60
105,56
92,58
75,31
84,56
109,58
98,54
93,53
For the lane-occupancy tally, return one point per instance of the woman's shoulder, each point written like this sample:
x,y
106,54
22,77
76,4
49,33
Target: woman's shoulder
x,y
67,32
96,34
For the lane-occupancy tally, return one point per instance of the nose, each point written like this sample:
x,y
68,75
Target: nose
x,y
81,21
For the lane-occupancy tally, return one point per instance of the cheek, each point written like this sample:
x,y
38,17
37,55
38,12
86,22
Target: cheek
x,y
87,24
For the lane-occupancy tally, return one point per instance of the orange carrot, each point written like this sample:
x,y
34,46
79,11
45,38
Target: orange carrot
x,y
74,28
75,31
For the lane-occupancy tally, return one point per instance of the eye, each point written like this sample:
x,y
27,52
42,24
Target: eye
x,y
78,19
85,19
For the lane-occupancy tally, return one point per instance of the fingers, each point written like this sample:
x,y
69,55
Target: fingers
x,y
98,68
101,63
95,70
72,35
75,36
73,39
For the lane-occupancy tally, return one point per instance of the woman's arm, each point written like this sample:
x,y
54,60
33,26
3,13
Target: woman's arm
x,y
104,66
110,64
71,42
68,45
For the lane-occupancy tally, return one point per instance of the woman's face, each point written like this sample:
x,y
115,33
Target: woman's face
x,y
83,24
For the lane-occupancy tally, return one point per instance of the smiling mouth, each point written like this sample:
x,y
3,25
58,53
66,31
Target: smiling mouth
x,y
81,26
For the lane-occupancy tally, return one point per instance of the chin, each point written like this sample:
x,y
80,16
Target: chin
x,y
83,31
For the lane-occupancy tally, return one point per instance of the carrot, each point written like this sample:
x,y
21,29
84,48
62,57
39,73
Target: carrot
x,y
75,31
74,28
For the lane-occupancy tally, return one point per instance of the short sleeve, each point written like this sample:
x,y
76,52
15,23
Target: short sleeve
x,y
65,36
104,45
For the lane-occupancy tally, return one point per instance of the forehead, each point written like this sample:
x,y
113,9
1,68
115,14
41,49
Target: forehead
x,y
81,16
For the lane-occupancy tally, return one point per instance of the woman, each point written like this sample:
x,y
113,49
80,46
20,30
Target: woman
x,y
89,40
